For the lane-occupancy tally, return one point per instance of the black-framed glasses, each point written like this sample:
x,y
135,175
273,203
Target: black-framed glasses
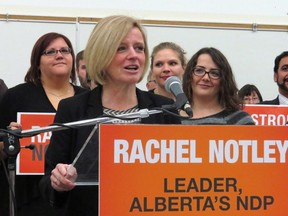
x,y
213,74
53,52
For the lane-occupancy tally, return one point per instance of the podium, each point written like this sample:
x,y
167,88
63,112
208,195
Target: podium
x,y
183,169
87,161
197,170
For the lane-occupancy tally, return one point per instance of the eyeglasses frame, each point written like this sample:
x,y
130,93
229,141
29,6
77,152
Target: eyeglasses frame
x,y
206,72
56,51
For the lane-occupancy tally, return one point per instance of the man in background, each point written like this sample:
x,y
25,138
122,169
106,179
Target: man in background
x,y
81,70
281,78
82,74
151,82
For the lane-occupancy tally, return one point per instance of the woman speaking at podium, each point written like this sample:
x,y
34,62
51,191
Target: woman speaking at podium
x,y
116,57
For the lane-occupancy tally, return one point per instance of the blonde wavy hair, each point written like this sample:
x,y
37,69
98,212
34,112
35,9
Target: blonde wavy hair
x,y
104,41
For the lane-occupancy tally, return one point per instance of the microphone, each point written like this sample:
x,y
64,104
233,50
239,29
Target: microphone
x,y
173,85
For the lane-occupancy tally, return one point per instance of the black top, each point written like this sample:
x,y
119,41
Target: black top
x,y
64,145
25,97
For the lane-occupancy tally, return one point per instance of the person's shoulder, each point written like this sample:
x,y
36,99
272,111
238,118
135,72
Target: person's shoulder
x,y
152,91
239,117
78,98
155,98
79,89
23,85
2,83
73,106
82,97
21,88
241,112
273,102
76,107
3,88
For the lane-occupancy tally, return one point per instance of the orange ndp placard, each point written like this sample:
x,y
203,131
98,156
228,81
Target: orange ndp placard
x,y
268,114
193,170
31,162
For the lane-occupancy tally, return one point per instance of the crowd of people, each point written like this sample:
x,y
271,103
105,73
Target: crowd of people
x,y
114,60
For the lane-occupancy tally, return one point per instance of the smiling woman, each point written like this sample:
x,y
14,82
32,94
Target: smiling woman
x,y
211,89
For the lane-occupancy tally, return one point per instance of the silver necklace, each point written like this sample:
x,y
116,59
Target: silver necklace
x,y
58,97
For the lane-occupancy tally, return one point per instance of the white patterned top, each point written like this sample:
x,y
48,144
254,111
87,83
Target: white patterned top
x,y
111,112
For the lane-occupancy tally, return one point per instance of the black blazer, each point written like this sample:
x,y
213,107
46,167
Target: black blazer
x,y
271,102
65,145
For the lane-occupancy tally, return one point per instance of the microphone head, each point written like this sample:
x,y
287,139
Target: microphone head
x,y
173,85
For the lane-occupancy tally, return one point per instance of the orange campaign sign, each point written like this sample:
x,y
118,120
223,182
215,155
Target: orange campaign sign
x,y
193,170
268,114
31,162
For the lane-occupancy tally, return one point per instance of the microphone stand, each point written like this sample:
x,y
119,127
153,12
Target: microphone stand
x,y
12,144
143,113
11,148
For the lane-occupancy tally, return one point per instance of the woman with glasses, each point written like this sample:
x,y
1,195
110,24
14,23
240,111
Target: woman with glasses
x,y
250,94
50,78
209,85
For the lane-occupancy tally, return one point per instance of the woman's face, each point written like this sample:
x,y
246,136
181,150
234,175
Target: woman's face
x,y
204,86
253,98
58,65
128,63
166,63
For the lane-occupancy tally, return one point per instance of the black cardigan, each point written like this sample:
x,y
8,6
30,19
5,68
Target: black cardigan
x,y
271,102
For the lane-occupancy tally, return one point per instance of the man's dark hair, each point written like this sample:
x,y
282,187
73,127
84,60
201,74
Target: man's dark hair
x,y
278,59
79,57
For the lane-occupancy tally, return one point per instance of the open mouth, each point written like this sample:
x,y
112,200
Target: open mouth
x,y
132,67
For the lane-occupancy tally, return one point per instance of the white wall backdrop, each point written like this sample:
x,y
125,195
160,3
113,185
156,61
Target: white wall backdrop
x,y
251,53
267,11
